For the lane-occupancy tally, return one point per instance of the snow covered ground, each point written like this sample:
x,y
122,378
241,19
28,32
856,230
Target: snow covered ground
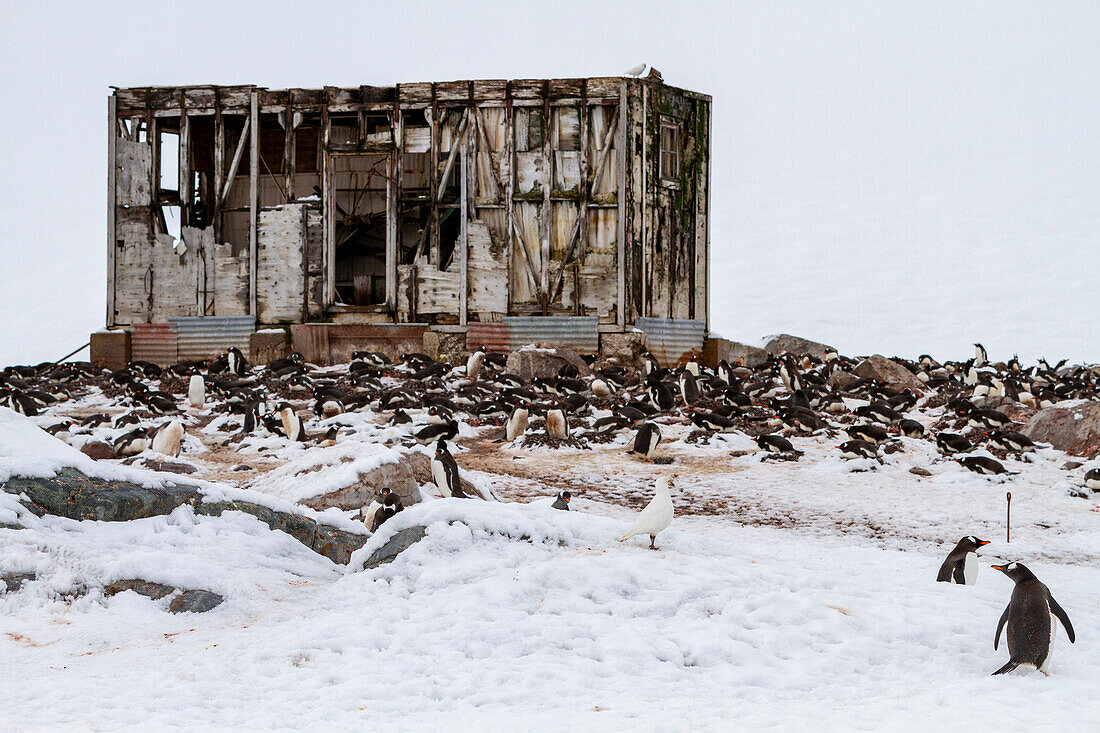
x,y
785,594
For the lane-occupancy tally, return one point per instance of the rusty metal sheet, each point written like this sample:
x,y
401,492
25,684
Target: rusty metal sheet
x,y
493,336
580,333
672,340
155,342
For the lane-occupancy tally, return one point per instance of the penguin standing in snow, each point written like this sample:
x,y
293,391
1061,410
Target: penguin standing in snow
x,y
557,427
689,390
517,423
655,517
168,438
645,442
196,391
1029,617
292,424
475,362
445,472
1092,479
236,361
562,502
961,565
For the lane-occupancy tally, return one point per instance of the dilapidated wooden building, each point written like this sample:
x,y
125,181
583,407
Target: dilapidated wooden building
x,y
446,203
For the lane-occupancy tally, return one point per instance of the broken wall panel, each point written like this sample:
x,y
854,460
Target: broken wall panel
x,y
281,243
133,177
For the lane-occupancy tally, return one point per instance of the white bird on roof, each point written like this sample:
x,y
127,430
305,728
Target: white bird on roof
x,y
636,71
655,517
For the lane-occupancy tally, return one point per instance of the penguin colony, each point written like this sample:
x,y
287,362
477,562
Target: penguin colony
x,y
788,396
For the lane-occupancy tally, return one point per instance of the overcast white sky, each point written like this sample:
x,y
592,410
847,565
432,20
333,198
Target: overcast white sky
x,y
895,177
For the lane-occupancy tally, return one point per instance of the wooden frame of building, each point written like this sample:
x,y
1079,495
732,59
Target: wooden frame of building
x,y
443,203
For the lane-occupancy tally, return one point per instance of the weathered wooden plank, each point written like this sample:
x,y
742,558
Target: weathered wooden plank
x,y
281,264
184,185
131,173
112,168
527,88
129,101
486,89
451,91
415,92
237,155
557,88
463,239
253,199
288,152
606,87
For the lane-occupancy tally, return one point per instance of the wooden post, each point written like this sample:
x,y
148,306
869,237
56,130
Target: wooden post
x,y
328,212
463,239
253,203
219,171
620,197
288,153
112,165
237,155
509,193
584,190
393,219
438,119
1008,516
706,239
184,186
547,206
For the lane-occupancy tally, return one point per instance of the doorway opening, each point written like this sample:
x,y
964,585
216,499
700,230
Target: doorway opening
x,y
359,231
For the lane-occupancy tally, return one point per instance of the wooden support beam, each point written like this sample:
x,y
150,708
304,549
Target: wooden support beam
x,y
531,269
463,239
288,154
185,187
328,213
219,171
112,167
459,136
438,120
620,197
582,207
253,203
237,155
547,206
509,195
601,162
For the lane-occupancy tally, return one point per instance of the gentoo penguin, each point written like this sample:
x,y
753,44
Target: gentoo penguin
x,y
911,428
62,430
870,433
961,565
776,444
380,516
1030,620
440,431
600,388
236,361
980,357
368,512
292,424
1092,479
655,517
660,396
689,390
445,472
400,417
984,465
645,442
951,443
132,443
517,423
650,363
196,391
475,362
858,449
167,439
557,427
562,502
692,366
1011,441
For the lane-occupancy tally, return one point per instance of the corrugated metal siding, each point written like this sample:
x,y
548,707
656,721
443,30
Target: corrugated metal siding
x,y
671,339
580,333
493,336
155,342
204,338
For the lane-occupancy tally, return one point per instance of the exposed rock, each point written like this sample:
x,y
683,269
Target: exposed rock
x,y
738,354
195,601
98,451
544,361
1073,429
621,349
404,476
267,345
143,587
70,493
888,371
1016,411
840,380
335,544
795,345
918,471
1071,465
397,544
160,464
13,581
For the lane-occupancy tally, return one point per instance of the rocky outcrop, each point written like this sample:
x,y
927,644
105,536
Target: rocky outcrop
x,y
888,371
193,600
13,581
795,345
162,465
544,361
98,451
840,380
70,493
738,354
404,476
1074,429
1016,412
403,540
335,544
